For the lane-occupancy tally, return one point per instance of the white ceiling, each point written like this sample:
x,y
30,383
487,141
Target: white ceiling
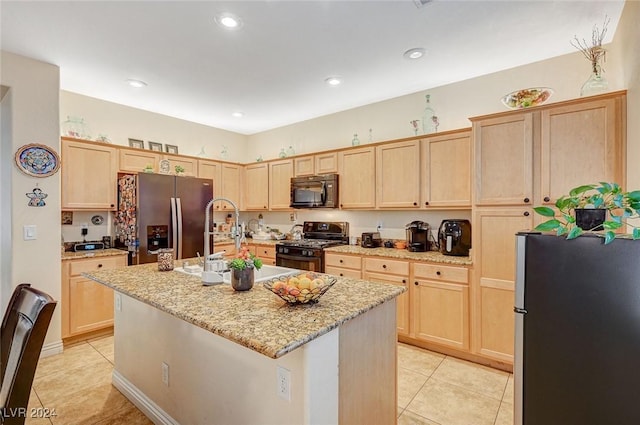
x,y
273,68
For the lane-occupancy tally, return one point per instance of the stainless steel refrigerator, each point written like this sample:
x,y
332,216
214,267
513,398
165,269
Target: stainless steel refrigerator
x,y
161,211
577,353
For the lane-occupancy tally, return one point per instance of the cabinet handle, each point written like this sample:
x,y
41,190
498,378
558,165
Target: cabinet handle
x,y
404,280
265,207
112,205
415,204
99,265
341,261
526,200
526,213
341,274
438,273
547,199
384,266
415,283
426,202
340,205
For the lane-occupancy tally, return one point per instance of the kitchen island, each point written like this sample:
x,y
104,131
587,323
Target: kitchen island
x,y
192,354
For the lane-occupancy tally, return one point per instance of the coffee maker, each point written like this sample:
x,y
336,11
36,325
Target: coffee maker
x,y
418,236
454,237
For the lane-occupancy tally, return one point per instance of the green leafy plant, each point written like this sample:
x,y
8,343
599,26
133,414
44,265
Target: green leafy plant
x,y
179,169
245,259
621,206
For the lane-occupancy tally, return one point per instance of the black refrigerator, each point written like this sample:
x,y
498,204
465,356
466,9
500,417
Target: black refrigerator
x,y
577,349
161,211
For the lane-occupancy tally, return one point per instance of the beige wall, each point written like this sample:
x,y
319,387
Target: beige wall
x,y
121,122
34,89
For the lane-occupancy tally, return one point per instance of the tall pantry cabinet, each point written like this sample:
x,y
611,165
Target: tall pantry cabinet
x,y
524,159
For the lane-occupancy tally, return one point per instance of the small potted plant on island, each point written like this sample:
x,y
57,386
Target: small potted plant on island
x,y
593,208
242,268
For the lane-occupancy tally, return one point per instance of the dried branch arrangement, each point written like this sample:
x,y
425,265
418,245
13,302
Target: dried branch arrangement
x,y
595,51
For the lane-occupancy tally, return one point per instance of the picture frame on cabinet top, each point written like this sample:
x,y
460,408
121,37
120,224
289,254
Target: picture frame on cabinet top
x,y
135,143
171,148
155,146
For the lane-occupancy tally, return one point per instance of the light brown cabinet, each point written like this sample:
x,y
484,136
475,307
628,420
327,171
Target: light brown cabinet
x,y
190,165
395,272
343,265
211,170
304,166
89,175
230,177
446,170
267,253
357,169
398,175
87,306
136,160
280,173
256,186
440,304
320,163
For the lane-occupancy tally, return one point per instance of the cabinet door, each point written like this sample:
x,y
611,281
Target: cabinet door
x,y
304,166
280,173
326,163
90,306
89,176
441,313
446,171
504,159
135,160
581,143
256,186
211,170
402,303
190,165
230,176
495,256
398,175
357,178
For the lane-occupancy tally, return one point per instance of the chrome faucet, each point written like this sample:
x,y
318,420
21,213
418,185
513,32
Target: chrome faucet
x,y
207,233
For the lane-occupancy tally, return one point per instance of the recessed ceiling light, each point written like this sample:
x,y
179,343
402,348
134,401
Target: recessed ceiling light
x,y
228,21
412,54
136,83
238,114
333,81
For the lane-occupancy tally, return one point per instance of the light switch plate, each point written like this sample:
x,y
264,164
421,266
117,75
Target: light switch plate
x,y
29,232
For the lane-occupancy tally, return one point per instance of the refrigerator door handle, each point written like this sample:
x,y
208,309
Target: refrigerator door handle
x,y
174,224
179,219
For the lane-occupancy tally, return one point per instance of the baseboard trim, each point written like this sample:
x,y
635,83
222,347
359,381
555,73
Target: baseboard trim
x,y
141,401
51,349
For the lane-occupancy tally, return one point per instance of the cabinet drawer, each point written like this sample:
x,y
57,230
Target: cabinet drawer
x,y
383,265
339,271
265,251
348,261
439,272
83,266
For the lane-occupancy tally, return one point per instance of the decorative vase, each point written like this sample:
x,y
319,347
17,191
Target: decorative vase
x,y
242,280
596,82
590,218
355,141
429,118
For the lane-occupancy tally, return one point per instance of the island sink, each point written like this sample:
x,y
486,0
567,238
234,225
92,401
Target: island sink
x,y
265,273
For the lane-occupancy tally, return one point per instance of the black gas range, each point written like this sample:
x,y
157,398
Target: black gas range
x,y
308,252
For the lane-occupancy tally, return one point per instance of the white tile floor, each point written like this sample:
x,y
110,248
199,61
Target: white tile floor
x,y
433,389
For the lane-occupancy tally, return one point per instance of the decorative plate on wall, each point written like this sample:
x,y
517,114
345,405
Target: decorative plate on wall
x,y
37,160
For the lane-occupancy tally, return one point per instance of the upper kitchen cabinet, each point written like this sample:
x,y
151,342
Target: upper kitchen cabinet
x,y
230,188
256,186
583,142
357,181
304,166
211,170
504,159
446,170
89,174
398,175
280,173
320,163
136,160
190,165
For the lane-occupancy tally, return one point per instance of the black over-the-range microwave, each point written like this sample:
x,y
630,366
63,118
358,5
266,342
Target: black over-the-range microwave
x,y
315,191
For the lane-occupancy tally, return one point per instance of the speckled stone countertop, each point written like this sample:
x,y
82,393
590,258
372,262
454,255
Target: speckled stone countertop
x,y
256,319
92,254
401,254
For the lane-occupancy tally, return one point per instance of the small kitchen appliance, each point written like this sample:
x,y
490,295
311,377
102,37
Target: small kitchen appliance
x,y
454,237
371,240
314,191
418,236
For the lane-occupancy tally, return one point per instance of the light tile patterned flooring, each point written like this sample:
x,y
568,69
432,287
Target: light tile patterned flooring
x,y
433,389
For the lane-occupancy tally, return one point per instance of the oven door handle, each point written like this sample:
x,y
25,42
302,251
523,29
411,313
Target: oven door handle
x,y
294,257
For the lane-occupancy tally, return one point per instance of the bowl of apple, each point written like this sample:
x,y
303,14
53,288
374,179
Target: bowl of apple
x,y
302,288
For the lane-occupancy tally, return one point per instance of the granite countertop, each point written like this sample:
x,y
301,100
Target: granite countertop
x,y
256,319
92,254
401,254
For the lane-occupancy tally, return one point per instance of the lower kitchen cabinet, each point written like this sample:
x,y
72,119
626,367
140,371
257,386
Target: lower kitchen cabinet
x,y
267,253
87,306
440,297
343,265
395,272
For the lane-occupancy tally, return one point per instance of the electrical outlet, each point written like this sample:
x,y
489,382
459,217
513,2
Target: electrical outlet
x,y
293,217
118,302
379,225
284,383
165,374
84,226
